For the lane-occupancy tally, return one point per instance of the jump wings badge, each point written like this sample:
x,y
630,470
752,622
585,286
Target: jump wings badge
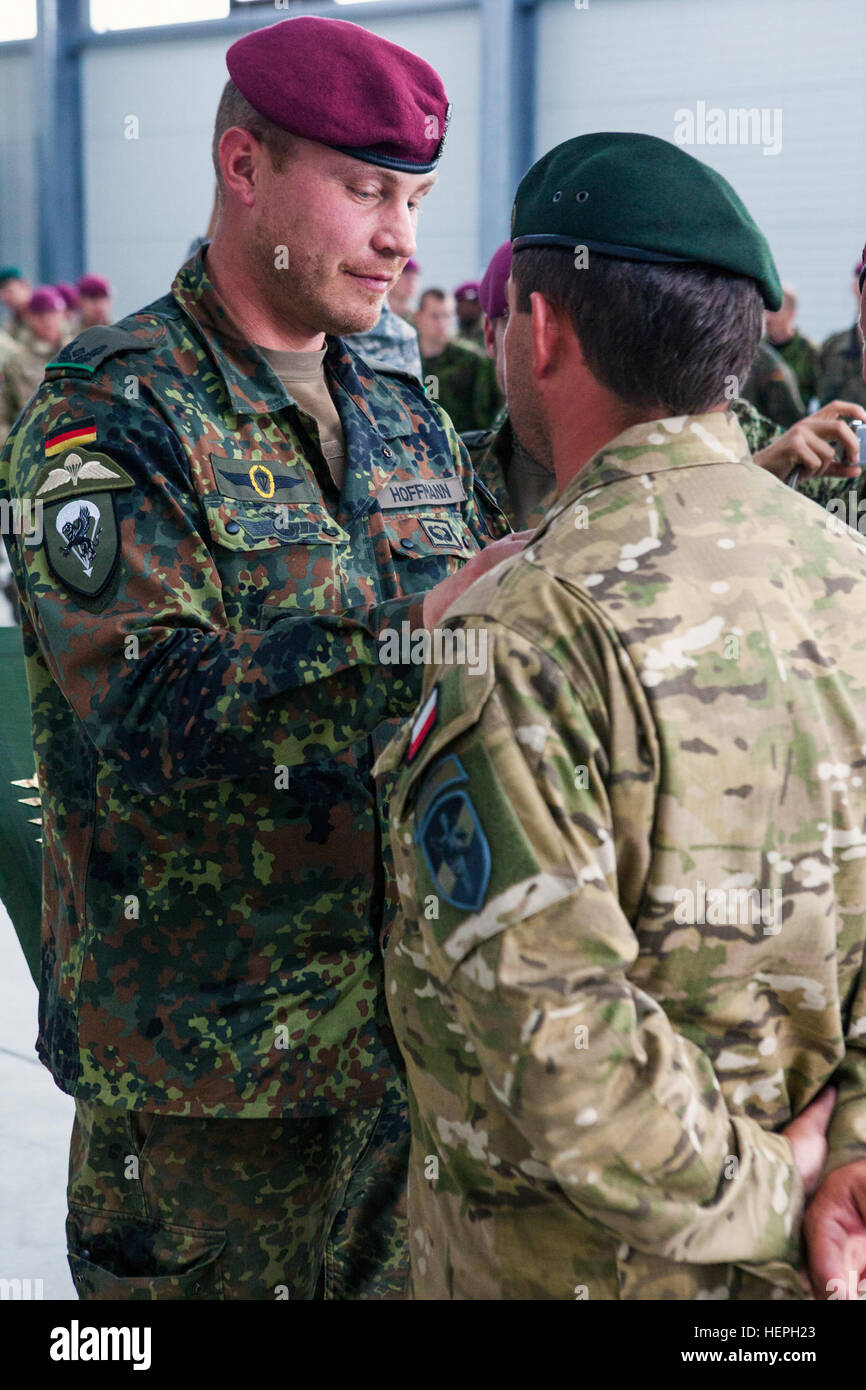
x,y
79,522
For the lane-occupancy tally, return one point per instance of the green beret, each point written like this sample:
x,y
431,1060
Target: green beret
x,y
10,272
640,199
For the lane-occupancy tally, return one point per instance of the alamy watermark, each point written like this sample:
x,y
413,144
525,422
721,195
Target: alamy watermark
x,y
443,646
713,125
718,907
21,517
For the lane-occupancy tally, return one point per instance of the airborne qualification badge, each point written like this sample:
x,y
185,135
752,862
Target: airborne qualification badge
x,y
79,523
453,842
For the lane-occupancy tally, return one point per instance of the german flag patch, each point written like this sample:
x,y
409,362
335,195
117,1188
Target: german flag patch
x,y
81,433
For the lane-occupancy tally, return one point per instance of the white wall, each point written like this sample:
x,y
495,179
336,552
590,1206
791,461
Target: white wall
x,y
630,64
17,166
146,199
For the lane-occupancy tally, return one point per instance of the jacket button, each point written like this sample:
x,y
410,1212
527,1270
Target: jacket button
x,y
330,531
389,453
407,544
232,527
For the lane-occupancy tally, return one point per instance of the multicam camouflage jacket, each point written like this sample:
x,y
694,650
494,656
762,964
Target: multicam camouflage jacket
x,y
524,491
632,866
203,657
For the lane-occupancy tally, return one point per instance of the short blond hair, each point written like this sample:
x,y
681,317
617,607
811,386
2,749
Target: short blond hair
x,y
235,110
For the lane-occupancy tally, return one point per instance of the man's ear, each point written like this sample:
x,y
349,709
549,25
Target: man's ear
x,y
489,337
240,154
546,334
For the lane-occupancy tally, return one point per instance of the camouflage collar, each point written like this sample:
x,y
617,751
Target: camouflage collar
x,y
252,385
685,441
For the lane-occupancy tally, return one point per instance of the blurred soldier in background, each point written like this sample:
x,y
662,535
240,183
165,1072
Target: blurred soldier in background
x,y
459,377
391,346
72,299
841,372
772,388
403,298
97,303
795,349
523,488
44,331
15,292
470,318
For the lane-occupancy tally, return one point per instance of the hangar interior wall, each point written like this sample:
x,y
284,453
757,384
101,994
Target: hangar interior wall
x,y
17,163
630,65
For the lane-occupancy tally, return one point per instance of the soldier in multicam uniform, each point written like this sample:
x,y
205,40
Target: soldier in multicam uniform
x,y
202,626
525,489
631,852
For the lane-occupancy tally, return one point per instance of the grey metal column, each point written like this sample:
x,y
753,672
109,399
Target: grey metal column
x,y
58,144
507,112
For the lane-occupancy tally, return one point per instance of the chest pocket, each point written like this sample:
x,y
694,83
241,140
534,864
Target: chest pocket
x,y
276,559
428,544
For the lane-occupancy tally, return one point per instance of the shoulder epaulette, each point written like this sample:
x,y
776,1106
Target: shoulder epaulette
x,y
91,348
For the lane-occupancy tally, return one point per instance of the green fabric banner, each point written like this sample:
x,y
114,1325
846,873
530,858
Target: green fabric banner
x,y
20,833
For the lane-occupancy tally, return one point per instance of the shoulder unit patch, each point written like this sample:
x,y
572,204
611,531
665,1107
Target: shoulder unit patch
x,y
79,522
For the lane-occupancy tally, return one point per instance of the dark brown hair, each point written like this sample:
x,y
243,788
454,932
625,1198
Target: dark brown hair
x,y
658,336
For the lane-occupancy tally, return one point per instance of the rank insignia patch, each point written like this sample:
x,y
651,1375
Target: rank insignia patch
x,y
456,848
441,533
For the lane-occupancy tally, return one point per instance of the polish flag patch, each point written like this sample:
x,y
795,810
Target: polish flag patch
x,y
424,725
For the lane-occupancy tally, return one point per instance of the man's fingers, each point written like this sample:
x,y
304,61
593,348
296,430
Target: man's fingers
x,y
833,408
821,1108
836,430
843,470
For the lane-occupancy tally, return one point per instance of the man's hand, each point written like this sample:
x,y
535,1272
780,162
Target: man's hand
x,y
807,1137
447,590
835,1230
810,444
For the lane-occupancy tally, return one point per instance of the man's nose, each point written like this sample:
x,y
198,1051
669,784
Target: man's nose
x,y
396,231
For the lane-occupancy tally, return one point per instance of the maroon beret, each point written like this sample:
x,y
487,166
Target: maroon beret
x,y
93,287
411,267
69,294
332,81
491,292
468,290
45,300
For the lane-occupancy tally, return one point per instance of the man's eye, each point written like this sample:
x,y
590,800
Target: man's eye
x,y
363,193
